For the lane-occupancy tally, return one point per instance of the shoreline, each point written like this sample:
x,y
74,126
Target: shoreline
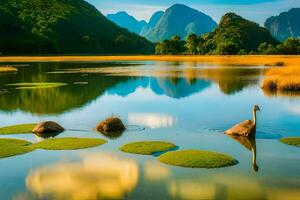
x,y
234,60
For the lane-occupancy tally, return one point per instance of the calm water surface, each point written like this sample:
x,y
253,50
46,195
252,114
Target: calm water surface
x,y
189,104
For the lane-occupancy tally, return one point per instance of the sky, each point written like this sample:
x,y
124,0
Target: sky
x,y
255,10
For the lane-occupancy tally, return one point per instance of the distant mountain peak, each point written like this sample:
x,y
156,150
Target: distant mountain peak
x,y
127,21
286,24
181,20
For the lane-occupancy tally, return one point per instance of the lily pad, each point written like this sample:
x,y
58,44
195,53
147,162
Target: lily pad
x,y
13,147
147,147
197,159
17,129
38,85
293,141
68,143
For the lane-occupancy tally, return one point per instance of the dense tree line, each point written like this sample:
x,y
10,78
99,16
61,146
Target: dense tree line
x,y
196,45
63,26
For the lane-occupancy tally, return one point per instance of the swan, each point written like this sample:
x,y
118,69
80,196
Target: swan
x,y
246,128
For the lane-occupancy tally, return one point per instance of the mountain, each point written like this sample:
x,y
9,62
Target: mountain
x,y
181,20
152,23
65,27
287,24
127,21
233,34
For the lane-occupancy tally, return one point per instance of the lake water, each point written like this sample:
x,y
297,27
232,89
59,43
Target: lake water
x,y
189,104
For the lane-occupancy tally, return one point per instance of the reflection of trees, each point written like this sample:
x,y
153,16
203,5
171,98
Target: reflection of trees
x,y
101,176
54,100
232,80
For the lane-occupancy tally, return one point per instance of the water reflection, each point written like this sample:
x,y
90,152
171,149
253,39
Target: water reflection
x,y
175,81
192,189
97,176
250,144
151,120
155,171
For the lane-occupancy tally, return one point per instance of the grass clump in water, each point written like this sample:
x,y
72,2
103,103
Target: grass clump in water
x,y
147,147
17,129
39,85
68,143
13,147
285,79
8,69
197,159
293,141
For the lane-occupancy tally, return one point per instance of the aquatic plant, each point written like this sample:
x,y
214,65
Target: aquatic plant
x,y
68,143
13,147
147,147
197,159
39,85
17,129
293,141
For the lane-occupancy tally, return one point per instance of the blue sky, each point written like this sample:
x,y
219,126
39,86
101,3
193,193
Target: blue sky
x,y
256,10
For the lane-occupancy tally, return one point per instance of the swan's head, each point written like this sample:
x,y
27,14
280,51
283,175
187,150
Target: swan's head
x,y
256,108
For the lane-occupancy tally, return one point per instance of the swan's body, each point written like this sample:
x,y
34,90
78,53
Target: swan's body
x,y
246,128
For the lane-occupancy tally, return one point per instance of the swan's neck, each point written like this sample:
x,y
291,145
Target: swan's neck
x,y
254,117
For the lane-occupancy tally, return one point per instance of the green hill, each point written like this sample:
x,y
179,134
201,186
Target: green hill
x,y
63,26
233,34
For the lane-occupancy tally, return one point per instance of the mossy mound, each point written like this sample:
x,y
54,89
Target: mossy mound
x,y
111,124
197,159
17,129
68,143
293,141
147,147
39,85
13,147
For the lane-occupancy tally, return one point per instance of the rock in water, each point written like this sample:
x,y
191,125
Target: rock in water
x,y
112,124
48,127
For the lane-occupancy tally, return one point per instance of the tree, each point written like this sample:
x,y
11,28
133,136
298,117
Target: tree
x,y
266,49
291,46
191,44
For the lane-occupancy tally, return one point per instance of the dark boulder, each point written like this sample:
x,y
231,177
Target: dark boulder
x,y
112,124
47,128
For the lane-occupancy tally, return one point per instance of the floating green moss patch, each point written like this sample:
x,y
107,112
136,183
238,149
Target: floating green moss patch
x,y
68,143
40,85
147,147
17,129
13,147
294,141
197,159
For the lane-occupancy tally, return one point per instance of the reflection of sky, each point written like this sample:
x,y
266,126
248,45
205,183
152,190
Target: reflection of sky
x,y
151,120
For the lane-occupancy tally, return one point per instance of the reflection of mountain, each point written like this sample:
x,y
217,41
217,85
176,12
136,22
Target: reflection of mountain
x,y
101,176
55,100
174,87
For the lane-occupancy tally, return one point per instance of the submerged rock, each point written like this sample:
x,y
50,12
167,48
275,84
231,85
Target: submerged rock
x,y
111,125
47,127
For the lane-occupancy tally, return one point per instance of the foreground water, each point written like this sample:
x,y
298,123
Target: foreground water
x,y
189,104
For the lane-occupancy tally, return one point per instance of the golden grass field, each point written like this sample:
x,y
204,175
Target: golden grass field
x,y
8,69
222,60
